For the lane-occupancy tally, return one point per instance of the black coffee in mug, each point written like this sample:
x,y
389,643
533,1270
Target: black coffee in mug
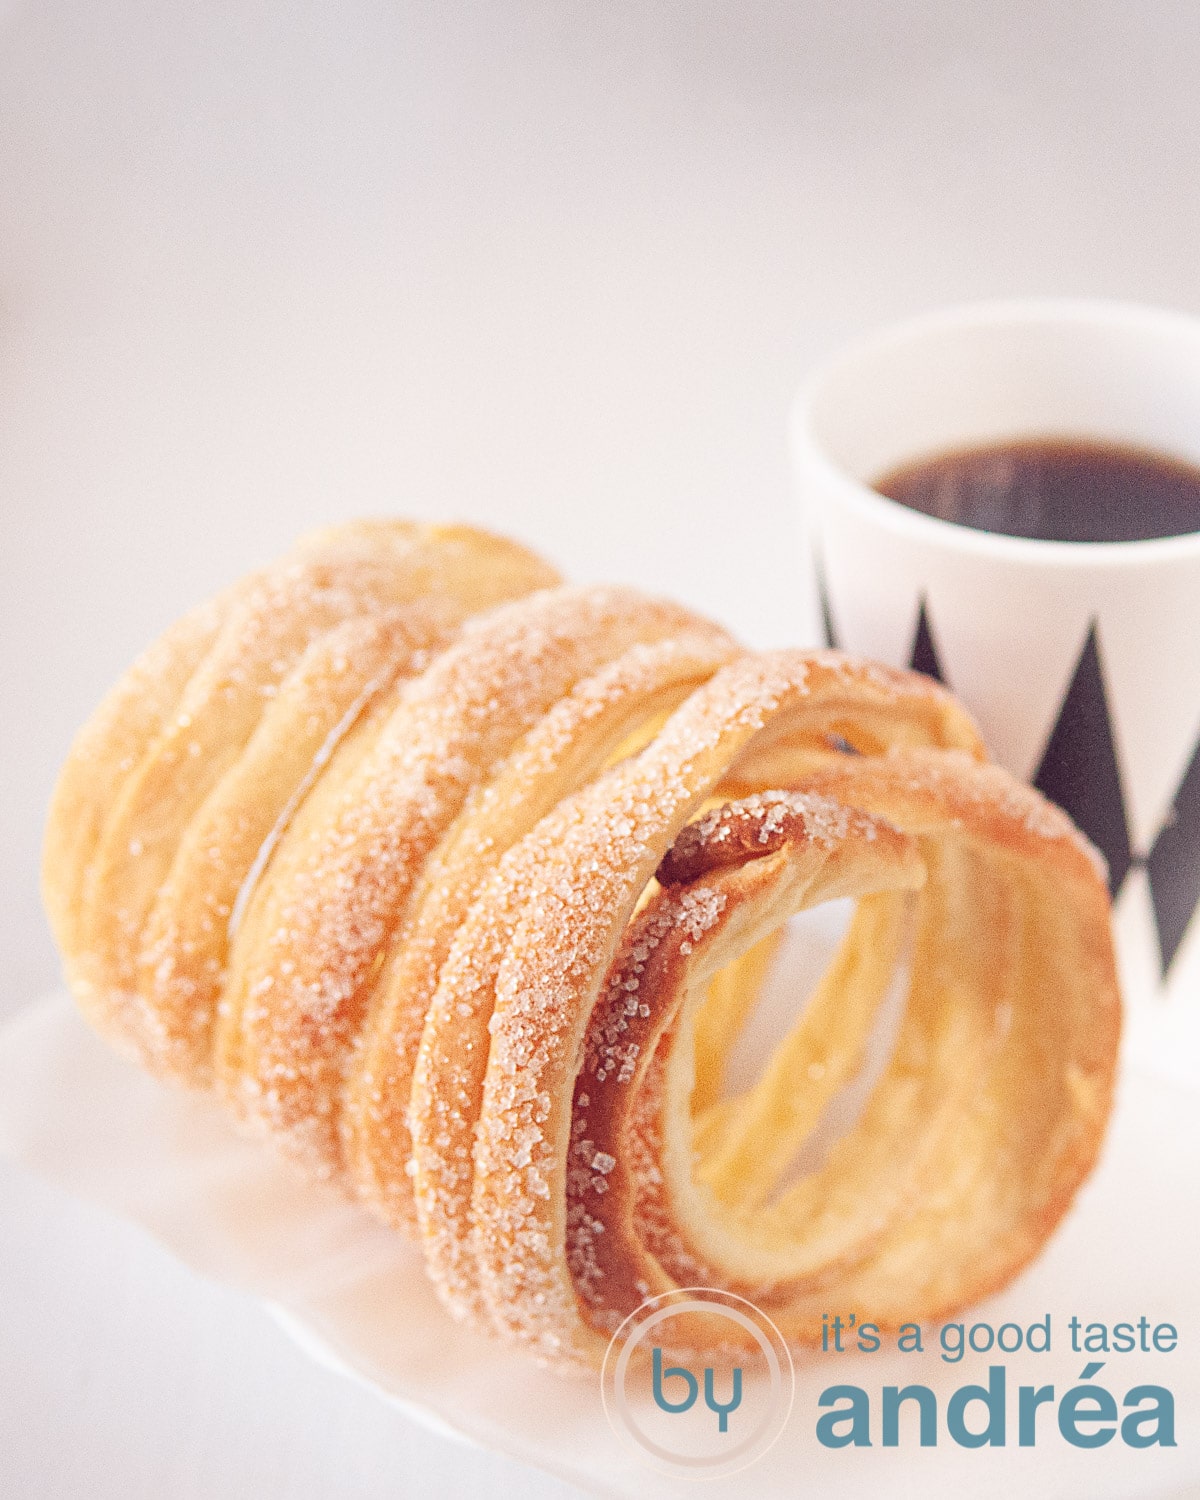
x,y
1053,489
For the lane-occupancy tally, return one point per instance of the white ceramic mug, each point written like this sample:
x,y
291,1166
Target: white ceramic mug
x,y
1080,660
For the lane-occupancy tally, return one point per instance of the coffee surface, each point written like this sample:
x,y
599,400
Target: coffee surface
x,y
1053,489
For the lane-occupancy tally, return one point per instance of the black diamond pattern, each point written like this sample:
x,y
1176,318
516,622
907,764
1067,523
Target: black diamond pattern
x,y
1080,772
827,625
1174,866
924,657
1079,768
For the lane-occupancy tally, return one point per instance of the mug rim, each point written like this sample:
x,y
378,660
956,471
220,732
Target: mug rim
x,y
954,535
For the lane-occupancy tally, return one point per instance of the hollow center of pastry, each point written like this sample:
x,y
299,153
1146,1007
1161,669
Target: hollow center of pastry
x,y
788,1041
777,981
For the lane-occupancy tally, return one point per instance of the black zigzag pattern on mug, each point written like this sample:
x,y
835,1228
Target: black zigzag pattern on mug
x,y
1079,767
924,657
1173,865
1079,770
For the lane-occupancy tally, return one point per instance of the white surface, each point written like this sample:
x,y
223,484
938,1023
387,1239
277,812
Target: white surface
x,y
355,1296
557,266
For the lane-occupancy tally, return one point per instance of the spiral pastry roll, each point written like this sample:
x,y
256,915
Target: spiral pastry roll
x,y
461,885
171,789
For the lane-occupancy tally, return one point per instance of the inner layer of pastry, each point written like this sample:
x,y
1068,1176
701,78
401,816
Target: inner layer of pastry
x,y
991,1102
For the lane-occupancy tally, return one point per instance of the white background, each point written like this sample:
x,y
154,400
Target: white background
x,y
556,267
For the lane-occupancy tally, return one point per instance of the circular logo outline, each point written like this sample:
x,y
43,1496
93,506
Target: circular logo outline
x,y
711,1301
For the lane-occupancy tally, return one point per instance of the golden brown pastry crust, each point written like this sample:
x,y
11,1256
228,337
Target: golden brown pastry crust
x,y
989,1114
184,947
164,741
561,919
106,749
308,956
461,886
601,718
